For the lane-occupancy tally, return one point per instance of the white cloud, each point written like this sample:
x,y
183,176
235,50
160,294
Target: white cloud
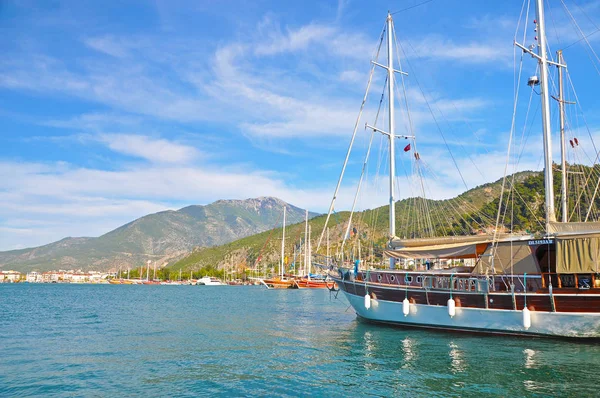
x,y
439,48
241,84
95,121
152,149
293,40
121,84
74,201
107,45
352,76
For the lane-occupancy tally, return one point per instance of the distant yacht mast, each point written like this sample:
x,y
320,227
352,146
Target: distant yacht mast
x,y
282,247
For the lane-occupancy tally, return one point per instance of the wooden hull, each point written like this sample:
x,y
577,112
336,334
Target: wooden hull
x,y
311,284
277,283
562,313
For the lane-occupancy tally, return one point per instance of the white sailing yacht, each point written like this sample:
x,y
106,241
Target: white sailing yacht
x,y
520,284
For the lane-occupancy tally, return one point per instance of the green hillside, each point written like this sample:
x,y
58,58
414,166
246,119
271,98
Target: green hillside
x,y
471,212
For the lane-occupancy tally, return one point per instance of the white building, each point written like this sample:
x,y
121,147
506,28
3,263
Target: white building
x,y
10,276
34,277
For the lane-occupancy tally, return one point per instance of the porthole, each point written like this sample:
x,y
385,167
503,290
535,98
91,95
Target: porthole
x,y
408,279
419,279
393,278
379,277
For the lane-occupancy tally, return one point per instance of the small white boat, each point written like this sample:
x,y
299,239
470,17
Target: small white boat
x,y
210,281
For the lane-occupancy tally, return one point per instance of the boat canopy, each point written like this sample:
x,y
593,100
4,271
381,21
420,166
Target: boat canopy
x,y
397,243
455,251
578,254
449,247
573,228
517,253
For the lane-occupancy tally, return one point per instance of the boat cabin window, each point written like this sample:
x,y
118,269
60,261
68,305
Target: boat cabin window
x,y
419,279
393,278
408,279
379,277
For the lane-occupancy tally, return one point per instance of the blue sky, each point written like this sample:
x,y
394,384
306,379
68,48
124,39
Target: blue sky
x,y
113,110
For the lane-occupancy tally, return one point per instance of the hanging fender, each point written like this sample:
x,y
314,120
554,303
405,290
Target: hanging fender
x,y
406,307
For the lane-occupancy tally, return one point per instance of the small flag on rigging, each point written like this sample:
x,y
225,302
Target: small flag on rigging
x,y
407,148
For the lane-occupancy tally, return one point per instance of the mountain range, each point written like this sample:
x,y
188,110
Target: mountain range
x,y
466,213
161,237
243,233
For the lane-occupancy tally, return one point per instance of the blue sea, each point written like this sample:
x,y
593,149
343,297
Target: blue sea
x,y
176,341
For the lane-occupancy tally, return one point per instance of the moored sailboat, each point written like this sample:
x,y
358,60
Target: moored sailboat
x,y
309,280
280,281
518,284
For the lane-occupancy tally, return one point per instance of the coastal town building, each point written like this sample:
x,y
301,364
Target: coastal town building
x,y
10,276
71,276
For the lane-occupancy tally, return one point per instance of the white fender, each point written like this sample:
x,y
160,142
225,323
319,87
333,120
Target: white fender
x,y
367,301
451,307
526,318
405,307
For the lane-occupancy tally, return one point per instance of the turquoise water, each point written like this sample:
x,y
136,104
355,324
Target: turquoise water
x,y
115,340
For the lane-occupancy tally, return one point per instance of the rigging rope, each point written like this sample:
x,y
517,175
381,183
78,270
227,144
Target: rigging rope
x,y
411,7
512,129
364,168
362,106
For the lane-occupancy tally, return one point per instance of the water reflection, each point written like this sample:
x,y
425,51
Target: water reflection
x,y
529,358
416,362
369,344
408,347
254,342
456,357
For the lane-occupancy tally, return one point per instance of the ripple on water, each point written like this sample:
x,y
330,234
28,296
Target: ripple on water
x,y
85,340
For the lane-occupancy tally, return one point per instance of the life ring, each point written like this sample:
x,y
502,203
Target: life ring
x,y
333,287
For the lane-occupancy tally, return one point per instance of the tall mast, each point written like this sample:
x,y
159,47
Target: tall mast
x,y
390,69
306,242
327,245
309,249
282,246
563,152
543,61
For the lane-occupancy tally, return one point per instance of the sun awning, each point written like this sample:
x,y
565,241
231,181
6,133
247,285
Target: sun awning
x,y
508,258
397,243
573,228
455,251
580,254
